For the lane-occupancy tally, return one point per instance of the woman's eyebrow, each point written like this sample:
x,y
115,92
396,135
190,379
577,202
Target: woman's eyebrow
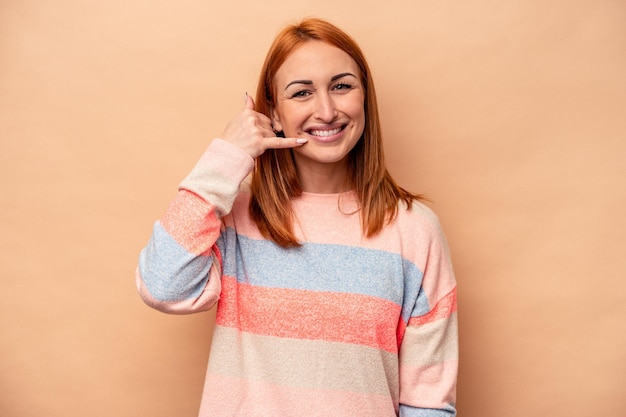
x,y
333,78
306,82
343,74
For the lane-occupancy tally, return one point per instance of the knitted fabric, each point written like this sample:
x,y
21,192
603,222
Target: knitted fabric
x,y
343,325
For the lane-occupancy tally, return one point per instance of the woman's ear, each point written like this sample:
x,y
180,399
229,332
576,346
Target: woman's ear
x,y
276,125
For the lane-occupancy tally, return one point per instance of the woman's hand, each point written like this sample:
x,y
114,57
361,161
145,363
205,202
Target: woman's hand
x,y
252,132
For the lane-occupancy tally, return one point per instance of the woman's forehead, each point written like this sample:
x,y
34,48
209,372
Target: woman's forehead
x,y
316,60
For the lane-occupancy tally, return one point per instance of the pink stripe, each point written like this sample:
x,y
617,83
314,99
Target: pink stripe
x,y
431,386
227,397
442,310
400,332
339,317
191,222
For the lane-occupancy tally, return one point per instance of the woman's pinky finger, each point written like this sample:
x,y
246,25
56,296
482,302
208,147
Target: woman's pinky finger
x,y
282,143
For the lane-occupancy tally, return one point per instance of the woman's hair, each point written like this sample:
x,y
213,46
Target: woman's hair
x,y
275,178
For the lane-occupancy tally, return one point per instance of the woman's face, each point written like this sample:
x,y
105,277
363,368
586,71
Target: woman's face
x,y
319,96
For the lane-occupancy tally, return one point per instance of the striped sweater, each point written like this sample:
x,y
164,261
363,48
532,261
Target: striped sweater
x,y
343,326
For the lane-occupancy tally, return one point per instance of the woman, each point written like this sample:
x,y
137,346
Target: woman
x,y
334,288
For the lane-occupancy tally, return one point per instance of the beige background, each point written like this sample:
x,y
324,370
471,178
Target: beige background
x,y
510,115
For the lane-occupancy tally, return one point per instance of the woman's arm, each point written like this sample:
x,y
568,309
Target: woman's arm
x,y
429,348
179,270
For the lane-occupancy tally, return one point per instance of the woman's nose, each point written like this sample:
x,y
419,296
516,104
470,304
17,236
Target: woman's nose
x,y
326,110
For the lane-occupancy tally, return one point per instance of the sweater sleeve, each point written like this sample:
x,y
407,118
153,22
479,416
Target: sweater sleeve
x,y
179,270
429,347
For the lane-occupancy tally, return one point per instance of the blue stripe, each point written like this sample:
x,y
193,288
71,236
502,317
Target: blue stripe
x,y
169,272
406,411
324,267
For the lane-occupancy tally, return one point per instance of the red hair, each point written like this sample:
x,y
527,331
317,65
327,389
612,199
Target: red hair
x,y
275,180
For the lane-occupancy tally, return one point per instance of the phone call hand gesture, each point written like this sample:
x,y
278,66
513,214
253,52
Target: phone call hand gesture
x,y
252,132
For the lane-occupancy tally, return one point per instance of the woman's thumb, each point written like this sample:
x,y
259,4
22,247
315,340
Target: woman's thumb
x,y
248,102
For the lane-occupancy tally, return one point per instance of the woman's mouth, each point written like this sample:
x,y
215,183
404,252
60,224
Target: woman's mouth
x,y
324,133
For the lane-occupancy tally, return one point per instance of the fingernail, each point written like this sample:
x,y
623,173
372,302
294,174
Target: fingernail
x,y
302,140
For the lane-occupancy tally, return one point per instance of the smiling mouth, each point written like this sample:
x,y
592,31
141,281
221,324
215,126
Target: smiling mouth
x,y
325,133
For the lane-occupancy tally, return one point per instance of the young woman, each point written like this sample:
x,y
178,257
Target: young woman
x,y
334,288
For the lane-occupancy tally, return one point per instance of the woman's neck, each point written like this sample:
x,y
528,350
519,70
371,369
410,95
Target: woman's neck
x,y
323,178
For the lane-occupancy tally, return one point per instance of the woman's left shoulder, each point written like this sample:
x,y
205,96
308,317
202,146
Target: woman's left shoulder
x,y
418,216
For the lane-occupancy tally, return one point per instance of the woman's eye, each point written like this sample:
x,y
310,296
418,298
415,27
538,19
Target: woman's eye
x,y
342,86
300,94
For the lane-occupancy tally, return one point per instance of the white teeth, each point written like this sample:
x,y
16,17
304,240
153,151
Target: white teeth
x,y
325,132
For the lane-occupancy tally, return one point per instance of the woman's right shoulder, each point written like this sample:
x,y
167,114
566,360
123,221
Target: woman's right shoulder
x,y
239,218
